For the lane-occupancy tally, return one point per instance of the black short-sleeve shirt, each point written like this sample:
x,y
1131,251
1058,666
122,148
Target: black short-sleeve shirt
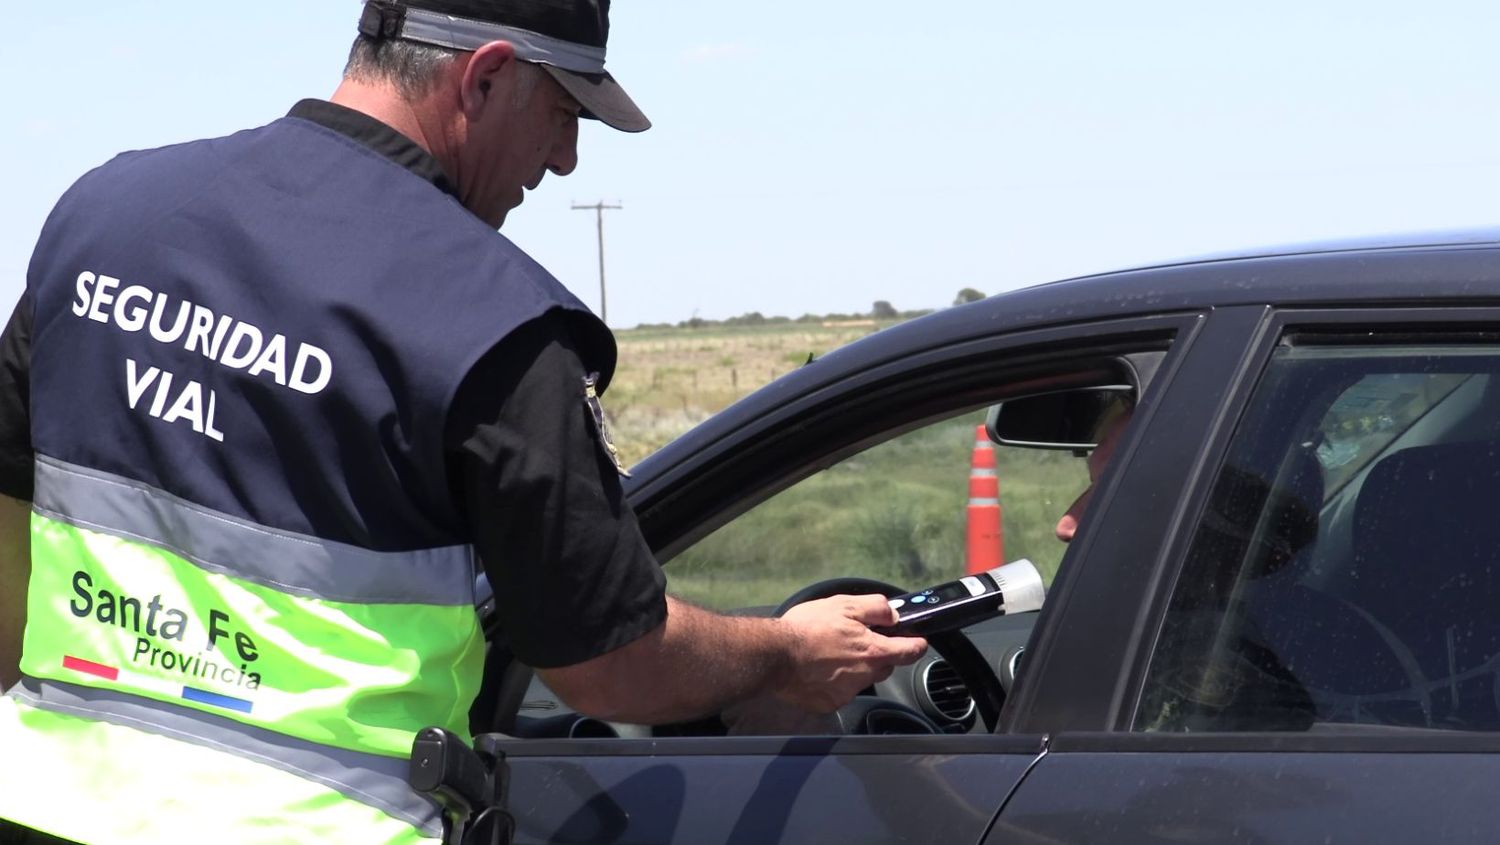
x,y
571,574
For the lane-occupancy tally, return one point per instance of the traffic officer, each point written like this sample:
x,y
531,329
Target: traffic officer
x,y
268,395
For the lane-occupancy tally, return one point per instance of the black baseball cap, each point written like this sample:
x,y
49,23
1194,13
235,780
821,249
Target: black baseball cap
x,y
565,37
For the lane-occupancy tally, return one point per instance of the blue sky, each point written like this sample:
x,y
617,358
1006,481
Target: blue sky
x,y
815,157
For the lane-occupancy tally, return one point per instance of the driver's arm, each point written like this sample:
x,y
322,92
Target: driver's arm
x,y
579,594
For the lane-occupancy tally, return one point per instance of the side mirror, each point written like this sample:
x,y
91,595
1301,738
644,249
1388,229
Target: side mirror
x,y
1065,419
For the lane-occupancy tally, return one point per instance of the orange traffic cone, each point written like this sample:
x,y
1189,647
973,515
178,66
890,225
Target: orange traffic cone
x,y
986,532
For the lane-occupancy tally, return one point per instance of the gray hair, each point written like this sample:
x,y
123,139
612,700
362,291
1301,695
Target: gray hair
x,y
414,68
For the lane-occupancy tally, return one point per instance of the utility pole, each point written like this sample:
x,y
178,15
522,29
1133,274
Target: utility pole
x,y
599,208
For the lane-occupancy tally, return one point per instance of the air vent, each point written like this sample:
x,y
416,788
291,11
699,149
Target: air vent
x,y
943,694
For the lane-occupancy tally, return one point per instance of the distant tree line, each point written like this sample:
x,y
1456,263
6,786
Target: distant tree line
x,y
882,311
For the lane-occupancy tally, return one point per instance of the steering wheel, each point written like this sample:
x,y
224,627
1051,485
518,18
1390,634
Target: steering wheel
x,y
952,646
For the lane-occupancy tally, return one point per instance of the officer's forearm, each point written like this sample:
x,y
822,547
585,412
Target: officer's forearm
x,y
15,574
692,665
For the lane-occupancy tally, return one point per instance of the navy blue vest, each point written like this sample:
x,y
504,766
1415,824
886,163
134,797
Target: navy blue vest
x,y
273,325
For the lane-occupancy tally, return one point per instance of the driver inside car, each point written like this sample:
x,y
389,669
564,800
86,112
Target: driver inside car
x,y
768,716
1108,436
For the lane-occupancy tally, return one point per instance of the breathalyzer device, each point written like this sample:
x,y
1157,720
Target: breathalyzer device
x,y
1015,587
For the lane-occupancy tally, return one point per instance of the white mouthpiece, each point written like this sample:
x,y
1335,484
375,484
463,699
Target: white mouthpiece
x,y
1021,585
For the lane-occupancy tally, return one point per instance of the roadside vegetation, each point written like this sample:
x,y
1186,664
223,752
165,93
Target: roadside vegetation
x,y
895,512
669,379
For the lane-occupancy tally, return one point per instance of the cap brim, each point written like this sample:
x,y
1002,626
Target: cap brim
x,y
602,99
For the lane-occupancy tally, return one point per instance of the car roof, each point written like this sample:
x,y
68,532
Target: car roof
x,y
1365,243
1394,268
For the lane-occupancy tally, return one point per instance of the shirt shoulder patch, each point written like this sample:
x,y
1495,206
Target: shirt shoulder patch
x,y
601,427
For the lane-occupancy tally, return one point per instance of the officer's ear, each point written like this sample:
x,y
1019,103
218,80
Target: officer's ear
x,y
490,72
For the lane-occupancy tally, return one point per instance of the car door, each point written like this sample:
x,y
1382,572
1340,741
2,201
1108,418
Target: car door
x,y
1318,655
694,784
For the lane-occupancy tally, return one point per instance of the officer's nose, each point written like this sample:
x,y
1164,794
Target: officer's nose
x,y
564,156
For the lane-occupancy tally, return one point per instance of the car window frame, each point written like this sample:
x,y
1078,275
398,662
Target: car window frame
x,y
1005,355
820,414
662,483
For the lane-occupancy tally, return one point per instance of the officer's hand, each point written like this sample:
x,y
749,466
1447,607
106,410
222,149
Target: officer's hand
x,y
836,655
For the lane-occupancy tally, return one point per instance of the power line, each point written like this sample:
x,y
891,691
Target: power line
x,y
599,208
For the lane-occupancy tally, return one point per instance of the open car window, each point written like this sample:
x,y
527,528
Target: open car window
x,y
895,512
1346,568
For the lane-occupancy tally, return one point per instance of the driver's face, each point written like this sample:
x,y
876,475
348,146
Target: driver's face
x,y
1097,461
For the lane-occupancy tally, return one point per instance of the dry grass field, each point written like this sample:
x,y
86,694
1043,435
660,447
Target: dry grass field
x,y
669,380
894,512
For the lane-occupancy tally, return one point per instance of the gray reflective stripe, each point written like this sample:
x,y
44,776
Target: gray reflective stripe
x,y
291,563
976,503
465,34
370,779
982,473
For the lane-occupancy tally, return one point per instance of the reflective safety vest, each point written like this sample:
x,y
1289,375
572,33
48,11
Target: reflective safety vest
x,y
250,587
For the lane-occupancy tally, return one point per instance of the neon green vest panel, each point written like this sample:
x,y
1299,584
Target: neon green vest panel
x,y
175,656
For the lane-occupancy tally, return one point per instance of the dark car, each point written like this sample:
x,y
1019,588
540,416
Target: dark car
x,y
1279,620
